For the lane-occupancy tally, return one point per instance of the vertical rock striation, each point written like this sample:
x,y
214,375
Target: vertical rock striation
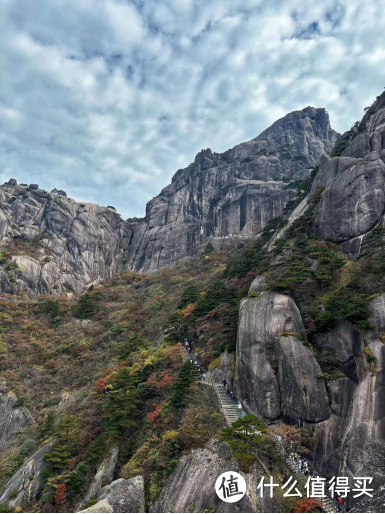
x,y
275,373
231,195
56,244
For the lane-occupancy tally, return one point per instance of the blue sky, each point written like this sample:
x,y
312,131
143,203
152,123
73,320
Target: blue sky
x,y
106,99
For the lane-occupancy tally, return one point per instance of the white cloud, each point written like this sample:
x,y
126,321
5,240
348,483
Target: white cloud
x,y
108,98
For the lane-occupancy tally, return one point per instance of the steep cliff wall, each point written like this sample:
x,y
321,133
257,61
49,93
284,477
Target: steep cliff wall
x,y
276,375
51,244
233,194
352,440
353,200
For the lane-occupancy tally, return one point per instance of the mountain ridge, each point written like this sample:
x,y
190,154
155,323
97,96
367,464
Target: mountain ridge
x,y
218,198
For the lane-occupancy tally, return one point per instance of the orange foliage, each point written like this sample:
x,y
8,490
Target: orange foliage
x,y
154,416
159,297
308,505
61,494
188,310
100,384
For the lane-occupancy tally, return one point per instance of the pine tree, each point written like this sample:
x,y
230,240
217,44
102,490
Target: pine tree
x,y
244,436
121,412
186,376
48,425
190,295
66,435
88,305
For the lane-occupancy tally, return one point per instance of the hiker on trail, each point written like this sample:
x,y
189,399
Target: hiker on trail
x,y
340,503
239,406
224,383
228,390
310,471
279,439
286,439
232,396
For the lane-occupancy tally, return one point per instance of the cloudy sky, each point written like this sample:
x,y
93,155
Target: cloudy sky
x,y
106,99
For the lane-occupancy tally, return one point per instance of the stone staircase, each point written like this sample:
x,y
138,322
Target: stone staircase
x,y
327,502
229,407
232,413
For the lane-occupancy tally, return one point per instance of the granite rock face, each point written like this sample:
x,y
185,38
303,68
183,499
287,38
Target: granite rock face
x,y
275,373
121,496
60,245
221,197
191,487
352,440
65,246
224,371
13,418
104,475
25,483
353,198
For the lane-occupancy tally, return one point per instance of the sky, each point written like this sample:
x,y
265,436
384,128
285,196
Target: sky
x,y
107,99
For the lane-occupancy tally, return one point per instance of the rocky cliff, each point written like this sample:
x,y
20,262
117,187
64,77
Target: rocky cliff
x,y
13,418
24,485
52,244
191,487
352,184
277,375
231,195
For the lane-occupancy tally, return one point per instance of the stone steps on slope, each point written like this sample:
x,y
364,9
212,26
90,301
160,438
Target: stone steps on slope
x,y
232,413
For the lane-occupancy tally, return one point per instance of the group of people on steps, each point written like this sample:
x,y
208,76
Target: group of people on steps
x,y
303,466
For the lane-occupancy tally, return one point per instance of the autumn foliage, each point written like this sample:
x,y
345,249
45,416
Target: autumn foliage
x,y
308,505
61,494
154,417
100,385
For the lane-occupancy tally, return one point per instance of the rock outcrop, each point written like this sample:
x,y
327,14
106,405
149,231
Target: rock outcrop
x,y
13,418
121,496
56,244
191,487
352,201
275,372
224,371
352,440
104,475
53,244
25,483
232,195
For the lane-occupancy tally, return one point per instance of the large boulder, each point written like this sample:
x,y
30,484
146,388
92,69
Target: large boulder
x,y
121,496
275,373
303,395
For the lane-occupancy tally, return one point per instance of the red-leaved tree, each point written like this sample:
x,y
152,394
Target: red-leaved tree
x,y
61,494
